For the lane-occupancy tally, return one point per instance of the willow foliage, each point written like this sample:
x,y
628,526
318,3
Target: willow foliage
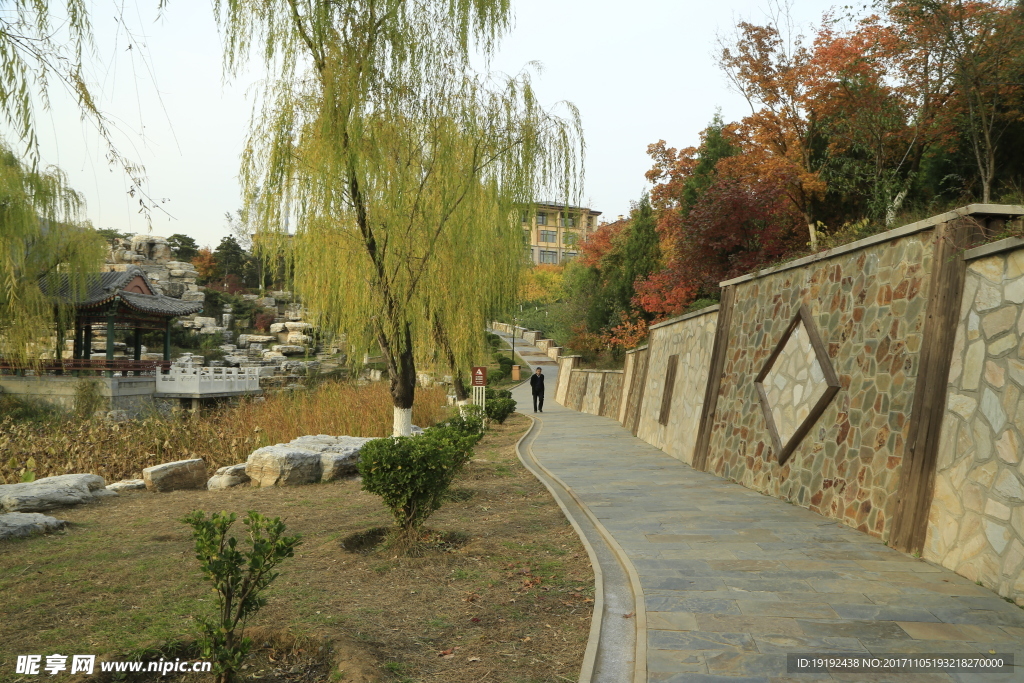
x,y
40,234
40,242
402,172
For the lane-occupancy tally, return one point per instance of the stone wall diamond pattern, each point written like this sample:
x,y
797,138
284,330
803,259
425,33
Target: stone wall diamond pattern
x,y
796,384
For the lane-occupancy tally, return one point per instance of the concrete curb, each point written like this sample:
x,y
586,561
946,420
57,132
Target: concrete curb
x,y
590,655
640,611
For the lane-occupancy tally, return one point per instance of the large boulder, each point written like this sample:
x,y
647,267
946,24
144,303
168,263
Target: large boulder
x,y
50,492
19,524
283,465
288,349
245,339
297,326
176,476
339,455
174,289
227,477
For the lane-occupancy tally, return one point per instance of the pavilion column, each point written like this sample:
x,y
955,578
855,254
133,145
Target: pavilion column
x,y
111,319
76,352
61,333
137,340
167,341
87,341
76,347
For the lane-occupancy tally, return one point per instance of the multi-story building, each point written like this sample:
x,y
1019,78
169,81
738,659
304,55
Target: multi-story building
x,y
555,231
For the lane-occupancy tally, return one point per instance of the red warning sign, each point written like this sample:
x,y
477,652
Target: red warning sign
x,y
479,376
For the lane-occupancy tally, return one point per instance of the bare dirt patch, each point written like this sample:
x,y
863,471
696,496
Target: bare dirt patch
x,y
503,592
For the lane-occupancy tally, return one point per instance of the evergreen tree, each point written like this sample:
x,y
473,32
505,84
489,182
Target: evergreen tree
x,y
641,252
184,247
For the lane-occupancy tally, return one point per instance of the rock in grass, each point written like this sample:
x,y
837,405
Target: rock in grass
x,y
176,476
50,492
226,477
127,485
20,524
283,465
339,455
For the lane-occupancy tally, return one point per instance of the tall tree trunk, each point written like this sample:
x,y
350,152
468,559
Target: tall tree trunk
x,y
461,392
812,230
402,374
441,338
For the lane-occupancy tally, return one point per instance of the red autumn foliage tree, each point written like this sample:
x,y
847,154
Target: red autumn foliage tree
x,y
770,66
205,263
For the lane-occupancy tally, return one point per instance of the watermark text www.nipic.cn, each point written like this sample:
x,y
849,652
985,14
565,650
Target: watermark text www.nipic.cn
x,y
33,665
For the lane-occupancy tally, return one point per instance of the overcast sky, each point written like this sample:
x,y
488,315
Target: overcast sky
x,y
639,72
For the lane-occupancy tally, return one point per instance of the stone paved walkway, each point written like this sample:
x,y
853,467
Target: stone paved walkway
x,y
733,580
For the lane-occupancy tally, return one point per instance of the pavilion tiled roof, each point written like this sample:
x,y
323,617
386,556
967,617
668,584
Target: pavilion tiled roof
x,y
103,288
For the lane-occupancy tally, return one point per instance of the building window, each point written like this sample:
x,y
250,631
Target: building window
x,y
542,218
567,220
548,236
590,221
548,256
566,255
525,217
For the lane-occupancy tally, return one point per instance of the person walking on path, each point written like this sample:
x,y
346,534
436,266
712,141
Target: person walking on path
x,y
537,385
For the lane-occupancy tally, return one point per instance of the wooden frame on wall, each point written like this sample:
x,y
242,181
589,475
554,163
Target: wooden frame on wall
x,y
784,450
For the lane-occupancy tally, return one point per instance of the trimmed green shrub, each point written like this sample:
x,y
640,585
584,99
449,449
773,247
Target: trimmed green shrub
x,y
412,473
499,409
466,419
491,394
495,376
238,578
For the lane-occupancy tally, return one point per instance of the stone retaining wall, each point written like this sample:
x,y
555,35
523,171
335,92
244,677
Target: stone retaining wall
x,y
578,380
566,364
601,392
976,520
134,395
868,307
680,348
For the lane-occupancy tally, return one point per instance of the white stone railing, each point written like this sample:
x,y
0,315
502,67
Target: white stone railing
x,y
202,380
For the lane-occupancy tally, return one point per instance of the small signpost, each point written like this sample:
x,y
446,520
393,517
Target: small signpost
x,y
479,384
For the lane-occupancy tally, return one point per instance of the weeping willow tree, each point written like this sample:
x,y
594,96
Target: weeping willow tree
x,y
41,236
42,247
402,173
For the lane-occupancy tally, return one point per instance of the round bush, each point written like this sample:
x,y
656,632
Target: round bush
x,y
412,473
499,409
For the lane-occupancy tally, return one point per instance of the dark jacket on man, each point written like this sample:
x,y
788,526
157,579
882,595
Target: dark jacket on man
x,y
537,384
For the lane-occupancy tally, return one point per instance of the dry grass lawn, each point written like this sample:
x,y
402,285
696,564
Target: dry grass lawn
x,y
509,600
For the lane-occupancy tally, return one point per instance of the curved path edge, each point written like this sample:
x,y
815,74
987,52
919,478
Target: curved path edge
x,y
599,662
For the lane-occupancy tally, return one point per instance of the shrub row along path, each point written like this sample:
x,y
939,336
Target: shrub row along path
x,y
728,581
